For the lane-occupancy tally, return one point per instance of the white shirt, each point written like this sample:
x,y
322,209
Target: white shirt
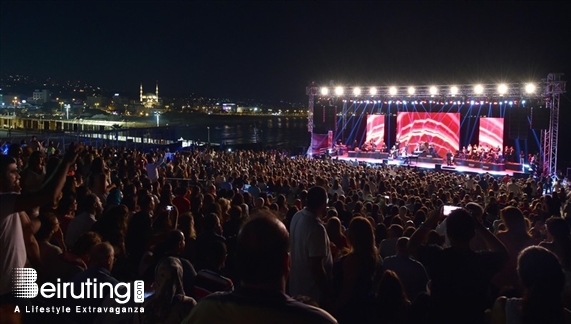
x,y
12,246
308,239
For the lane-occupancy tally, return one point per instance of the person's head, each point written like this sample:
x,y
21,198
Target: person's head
x,y
211,223
475,210
262,253
513,219
186,224
92,204
460,227
168,279
103,256
316,200
391,288
558,229
395,230
9,175
402,243
361,236
334,227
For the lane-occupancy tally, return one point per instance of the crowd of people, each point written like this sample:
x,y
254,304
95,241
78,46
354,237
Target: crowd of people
x,y
259,237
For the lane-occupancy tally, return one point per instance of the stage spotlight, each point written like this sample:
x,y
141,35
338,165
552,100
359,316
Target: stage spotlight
x,y
478,89
472,102
502,89
454,90
338,91
511,103
411,90
393,91
390,102
373,91
530,88
523,102
433,90
357,91
324,91
404,102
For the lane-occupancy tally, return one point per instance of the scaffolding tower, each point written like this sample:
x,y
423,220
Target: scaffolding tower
x,y
554,87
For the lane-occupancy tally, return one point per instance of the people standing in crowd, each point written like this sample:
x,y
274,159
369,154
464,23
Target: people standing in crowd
x,y
310,250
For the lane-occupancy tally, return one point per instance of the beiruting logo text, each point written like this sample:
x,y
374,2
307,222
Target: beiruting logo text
x,y
24,286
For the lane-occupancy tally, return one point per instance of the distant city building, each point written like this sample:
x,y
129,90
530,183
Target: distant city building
x,y
97,102
150,100
41,97
229,107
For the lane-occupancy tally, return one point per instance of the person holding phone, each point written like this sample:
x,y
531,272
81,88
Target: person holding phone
x,y
460,277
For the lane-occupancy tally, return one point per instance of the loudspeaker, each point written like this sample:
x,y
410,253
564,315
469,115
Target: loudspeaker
x,y
445,167
518,123
438,167
540,118
385,161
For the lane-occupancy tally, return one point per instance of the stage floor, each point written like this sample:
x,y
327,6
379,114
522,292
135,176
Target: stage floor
x,y
424,165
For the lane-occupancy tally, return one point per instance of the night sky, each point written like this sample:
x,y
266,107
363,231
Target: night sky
x,y
271,50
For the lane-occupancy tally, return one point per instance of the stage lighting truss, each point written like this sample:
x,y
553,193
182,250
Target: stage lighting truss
x,y
498,92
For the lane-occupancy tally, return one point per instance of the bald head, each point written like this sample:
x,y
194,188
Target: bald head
x,y
262,251
102,255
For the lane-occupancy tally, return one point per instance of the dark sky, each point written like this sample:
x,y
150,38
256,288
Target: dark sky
x,y
271,50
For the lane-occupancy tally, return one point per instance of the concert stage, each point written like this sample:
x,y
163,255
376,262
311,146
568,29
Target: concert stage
x,y
431,163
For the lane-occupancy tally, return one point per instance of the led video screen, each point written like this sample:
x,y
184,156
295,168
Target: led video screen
x,y
376,129
442,130
492,132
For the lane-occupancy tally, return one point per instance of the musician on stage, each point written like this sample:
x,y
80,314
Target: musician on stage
x,y
406,148
449,158
470,151
521,157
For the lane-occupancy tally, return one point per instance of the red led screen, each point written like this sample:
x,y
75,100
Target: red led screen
x,y
492,132
376,129
440,129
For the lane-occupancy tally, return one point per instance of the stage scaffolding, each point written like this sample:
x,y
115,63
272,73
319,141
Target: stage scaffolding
x,y
548,90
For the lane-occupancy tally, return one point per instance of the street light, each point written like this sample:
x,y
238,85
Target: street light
x,y
208,127
67,110
61,106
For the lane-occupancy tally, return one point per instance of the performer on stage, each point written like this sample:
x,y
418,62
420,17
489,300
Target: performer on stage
x,y
521,157
449,158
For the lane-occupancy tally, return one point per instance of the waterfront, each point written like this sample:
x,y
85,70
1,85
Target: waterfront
x,y
233,130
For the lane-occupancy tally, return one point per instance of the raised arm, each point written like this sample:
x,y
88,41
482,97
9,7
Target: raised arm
x,y
419,235
49,192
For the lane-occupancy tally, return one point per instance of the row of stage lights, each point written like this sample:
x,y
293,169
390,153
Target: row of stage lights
x,y
435,102
502,89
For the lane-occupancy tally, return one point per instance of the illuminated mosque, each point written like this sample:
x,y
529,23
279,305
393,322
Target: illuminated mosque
x,y
150,100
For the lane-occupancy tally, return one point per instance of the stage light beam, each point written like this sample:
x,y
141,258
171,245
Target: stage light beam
x,y
324,91
478,89
454,90
433,90
530,88
373,91
357,91
411,90
393,91
338,91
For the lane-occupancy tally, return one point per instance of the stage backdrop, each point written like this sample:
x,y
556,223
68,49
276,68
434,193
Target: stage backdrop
x,y
376,129
492,132
440,129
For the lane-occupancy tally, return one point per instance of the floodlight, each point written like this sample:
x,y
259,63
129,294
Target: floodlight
x,y
373,91
393,91
478,89
411,90
530,88
357,91
454,90
502,89
324,91
404,102
433,90
338,91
